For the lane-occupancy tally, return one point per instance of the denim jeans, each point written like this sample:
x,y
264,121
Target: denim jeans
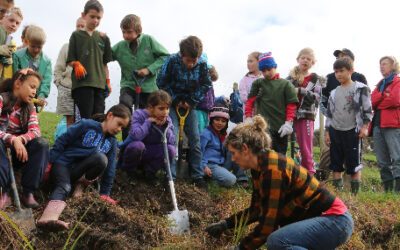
x,y
387,150
191,130
322,232
223,176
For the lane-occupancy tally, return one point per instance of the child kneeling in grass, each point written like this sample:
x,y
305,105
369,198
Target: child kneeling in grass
x,y
80,156
143,147
19,130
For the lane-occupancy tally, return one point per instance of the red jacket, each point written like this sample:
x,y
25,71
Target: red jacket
x,y
388,102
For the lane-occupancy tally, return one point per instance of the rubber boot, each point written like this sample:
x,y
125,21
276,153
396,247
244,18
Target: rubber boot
x,y
81,185
355,186
29,200
388,186
338,184
5,201
397,185
49,220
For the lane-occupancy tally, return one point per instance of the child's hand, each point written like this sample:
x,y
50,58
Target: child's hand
x,y
183,105
160,121
80,71
363,132
327,139
208,172
20,150
143,72
41,102
7,50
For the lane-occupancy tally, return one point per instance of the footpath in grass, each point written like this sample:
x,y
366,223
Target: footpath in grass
x,y
139,220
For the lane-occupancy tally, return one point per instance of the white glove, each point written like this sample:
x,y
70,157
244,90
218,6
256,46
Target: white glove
x,y
7,50
286,129
248,119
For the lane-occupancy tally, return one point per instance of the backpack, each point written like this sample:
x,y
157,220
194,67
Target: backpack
x,y
235,108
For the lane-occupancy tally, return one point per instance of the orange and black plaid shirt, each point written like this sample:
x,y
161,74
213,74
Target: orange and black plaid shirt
x,y
283,193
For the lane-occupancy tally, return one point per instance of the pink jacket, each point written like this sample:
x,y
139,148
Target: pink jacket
x,y
245,85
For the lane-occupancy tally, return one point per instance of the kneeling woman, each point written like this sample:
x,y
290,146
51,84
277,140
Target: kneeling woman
x,y
291,207
80,156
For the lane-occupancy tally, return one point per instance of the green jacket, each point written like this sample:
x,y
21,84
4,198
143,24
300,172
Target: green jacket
x,y
21,60
150,54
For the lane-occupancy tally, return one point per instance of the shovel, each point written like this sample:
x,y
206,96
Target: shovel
x,y
138,88
182,168
23,217
180,218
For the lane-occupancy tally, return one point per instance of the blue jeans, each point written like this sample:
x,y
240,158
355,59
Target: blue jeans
x,y
191,130
223,176
322,232
387,150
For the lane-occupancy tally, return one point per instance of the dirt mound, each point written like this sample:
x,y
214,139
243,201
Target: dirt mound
x,y
139,220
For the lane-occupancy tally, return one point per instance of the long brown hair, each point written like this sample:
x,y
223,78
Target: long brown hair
x,y
9,99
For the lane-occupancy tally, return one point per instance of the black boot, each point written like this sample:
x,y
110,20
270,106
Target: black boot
x,y
355,186
397,185
338,184
388,186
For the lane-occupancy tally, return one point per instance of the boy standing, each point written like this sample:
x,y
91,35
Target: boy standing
x,y
185,77
348,114
88,54
276,101
62,79
138,54
33,57
11,23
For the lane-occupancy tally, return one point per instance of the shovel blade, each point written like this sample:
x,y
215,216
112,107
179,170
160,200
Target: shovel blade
x,y
24,220
179,221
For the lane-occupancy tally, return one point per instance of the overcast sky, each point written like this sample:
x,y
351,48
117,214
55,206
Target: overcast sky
x,y
230,30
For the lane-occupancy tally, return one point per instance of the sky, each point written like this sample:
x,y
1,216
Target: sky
x,y
230,30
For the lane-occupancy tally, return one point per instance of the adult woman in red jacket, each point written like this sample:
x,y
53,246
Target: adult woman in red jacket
x,y
386,123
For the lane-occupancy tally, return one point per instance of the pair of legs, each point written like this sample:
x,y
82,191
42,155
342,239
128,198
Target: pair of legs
x,y
34,168
62,176
65,104
223,176
323,232
305,138
127,96
149,157
191,130
279,144
346,148
89,100
387,150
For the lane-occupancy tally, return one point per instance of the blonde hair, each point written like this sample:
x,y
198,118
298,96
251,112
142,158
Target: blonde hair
x,y
296,73
131,21
395,63
253,134
35,34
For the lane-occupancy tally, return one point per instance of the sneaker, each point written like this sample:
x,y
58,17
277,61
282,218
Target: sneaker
x,y
201,183
108,198
5,201
29,200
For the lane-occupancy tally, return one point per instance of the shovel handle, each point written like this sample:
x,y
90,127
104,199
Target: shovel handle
x,y
13,183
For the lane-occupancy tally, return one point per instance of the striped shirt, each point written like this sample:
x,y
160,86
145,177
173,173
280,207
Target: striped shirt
x,y
283,193
11,127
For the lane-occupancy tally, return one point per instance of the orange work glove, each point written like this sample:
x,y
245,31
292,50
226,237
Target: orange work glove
x,y
80,71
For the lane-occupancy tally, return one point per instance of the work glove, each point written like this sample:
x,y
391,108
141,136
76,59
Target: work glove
x,y
286,129
216,229
6,60
108,89
7,50
80,71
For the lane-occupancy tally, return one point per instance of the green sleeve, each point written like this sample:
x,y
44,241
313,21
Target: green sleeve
x,y
290,93
3,35
16,63
44,88
108,55
254,88
114,51
71,49
160,54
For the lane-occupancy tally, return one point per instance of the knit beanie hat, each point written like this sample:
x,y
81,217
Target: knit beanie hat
x,y
219,110
266,61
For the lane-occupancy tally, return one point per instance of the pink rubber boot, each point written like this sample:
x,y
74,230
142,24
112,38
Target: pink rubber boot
x,y
49,220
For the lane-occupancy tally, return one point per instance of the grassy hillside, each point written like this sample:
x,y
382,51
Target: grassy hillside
x,y
139,219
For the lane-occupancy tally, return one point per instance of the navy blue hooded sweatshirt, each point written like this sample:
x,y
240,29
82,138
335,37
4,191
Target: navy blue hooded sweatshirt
x,y
81,140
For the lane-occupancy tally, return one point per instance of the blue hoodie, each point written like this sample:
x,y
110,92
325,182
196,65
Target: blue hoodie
x,y
212,148
81,140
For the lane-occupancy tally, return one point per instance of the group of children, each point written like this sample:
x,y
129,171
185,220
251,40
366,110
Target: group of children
x,y
166,85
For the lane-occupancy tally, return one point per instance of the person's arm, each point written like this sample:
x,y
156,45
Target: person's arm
x,y
33,128
243,89
164,77
44,87
171,140
107,179
391,99
366,106
251,98
159,53
61,65
16,63
4,136
72,55
204,138
140,127
73,133
290,111
376,97
205,85
329,110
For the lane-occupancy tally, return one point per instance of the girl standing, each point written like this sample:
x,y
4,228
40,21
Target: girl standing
x,y
19,130
308,89
80,156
